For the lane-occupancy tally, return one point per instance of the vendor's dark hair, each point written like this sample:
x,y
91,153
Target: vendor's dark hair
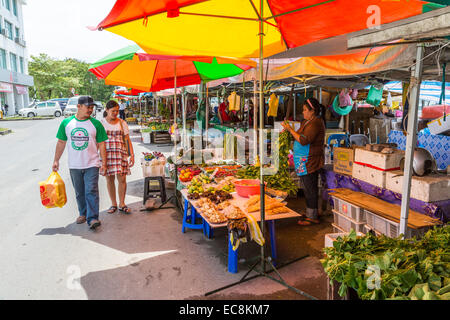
x,y
319,109
109,105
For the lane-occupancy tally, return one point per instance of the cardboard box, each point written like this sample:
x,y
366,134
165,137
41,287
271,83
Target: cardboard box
x,y
369,175
343,160
378,160
430,188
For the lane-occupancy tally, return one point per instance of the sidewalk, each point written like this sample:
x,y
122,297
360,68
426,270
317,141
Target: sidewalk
x,y
199,265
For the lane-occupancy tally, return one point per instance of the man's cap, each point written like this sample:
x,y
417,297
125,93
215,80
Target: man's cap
x,y
86,100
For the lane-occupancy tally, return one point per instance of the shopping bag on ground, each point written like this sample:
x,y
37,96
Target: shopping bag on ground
x,y
53,191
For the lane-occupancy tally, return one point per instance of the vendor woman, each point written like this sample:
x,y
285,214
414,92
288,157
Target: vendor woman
x,y
309,155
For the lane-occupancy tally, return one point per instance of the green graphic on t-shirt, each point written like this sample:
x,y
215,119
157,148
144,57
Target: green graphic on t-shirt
x,y
80,139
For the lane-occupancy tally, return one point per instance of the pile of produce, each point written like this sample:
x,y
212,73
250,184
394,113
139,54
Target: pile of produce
x,y
194,169
210,211
186,175
149,156
385,268
158,126
271,205
282,179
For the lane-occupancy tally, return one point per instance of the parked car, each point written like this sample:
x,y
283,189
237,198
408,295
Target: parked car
x,y
62,102
99,106
46,108
71,107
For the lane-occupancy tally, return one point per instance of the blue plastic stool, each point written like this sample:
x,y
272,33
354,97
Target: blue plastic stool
x,y
339,137
192,217
233,254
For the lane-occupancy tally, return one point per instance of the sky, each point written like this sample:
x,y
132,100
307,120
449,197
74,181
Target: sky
x,y
59,29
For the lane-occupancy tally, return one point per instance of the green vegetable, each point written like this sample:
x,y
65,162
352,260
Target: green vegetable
x,y
386,268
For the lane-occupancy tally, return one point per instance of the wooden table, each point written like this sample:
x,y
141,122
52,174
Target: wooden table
x,y
239,202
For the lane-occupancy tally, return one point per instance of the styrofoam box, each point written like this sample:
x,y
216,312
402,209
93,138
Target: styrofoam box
x,y
369,175
349,210
378,159
347,223
390,228
427,189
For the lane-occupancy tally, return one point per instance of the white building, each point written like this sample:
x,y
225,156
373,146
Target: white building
x,y
14,78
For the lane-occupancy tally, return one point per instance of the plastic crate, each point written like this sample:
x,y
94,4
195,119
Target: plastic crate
x,y
349,210
331,237
347,223
368,228
391,228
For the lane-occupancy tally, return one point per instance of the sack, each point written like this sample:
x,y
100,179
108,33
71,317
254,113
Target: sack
x,y
354,94
53,191
125,141
374,96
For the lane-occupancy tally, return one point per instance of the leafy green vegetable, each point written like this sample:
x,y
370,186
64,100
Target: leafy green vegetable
x,y
386,268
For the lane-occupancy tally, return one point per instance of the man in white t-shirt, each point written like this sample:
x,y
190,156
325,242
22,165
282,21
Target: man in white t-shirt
x,y
86,136
122,107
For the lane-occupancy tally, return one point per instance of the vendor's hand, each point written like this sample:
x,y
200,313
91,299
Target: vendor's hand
x,y
55,166
286,126
131,163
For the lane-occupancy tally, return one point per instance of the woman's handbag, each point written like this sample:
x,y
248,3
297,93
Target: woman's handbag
x,y
125,141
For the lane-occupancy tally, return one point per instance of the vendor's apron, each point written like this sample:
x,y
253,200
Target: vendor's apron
x,y
301,155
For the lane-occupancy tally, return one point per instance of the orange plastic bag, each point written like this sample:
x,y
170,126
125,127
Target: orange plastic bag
x,y
53,191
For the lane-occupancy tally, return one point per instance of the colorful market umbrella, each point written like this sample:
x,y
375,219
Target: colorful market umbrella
x,y
132,67
246,29
230,27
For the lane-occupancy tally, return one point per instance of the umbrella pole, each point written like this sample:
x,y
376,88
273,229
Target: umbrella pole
x,y
255,121
175,109
207,115
261,128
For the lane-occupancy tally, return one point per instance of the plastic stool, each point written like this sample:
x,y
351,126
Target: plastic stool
x,y
339,137
192,217
154,192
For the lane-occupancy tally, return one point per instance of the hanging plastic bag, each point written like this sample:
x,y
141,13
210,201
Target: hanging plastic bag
x,y
374,96
389,100
354,94
344,99
53,191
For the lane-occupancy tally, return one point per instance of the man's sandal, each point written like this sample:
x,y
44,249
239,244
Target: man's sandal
x,y
125,210
304,221
112,209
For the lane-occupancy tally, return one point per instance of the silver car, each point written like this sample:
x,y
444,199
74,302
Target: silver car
x,y
46,108
71,107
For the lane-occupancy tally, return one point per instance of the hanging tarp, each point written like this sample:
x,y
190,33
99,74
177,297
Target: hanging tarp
x,y
230,28
365,61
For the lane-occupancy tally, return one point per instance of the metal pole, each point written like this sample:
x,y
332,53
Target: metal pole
x,y
261,128
295,105
183,106
411,139
207,114
255,121
175,109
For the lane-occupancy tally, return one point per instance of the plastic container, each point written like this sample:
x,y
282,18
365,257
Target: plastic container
x,y
247,187
349,210
346,223
331,237
391,228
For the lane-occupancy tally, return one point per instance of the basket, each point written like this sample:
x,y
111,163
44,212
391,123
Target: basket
x,y
349,210
391,228
347,223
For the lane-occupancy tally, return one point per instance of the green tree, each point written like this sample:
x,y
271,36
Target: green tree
x,y
55,78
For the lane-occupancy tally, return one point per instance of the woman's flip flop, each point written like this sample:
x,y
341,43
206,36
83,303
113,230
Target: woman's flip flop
x,y
125,210
304,221
112,209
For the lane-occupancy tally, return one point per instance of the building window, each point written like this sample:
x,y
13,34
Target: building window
x,y
7,4
9,30
17,33
13,58
3,59
14,5
21,65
